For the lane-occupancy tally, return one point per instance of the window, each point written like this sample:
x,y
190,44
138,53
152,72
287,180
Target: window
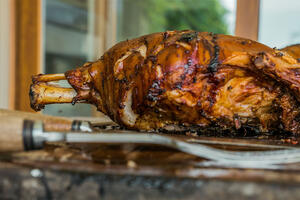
x,y
67,44
70,38
137,17
279,22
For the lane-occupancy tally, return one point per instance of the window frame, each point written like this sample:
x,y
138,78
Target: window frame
x,y
247,19
28,50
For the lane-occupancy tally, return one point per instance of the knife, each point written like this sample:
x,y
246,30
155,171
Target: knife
x,y
33,137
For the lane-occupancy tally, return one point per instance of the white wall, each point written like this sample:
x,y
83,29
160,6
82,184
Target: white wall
x,y
4,52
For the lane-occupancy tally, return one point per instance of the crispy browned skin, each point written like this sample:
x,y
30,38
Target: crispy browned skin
x,y
293,50
189,79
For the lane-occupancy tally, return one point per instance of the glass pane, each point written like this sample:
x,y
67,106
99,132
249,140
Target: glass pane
x,y
67,44
279,22
136,17
69,27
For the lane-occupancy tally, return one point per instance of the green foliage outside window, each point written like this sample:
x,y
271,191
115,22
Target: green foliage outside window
x,y
138,17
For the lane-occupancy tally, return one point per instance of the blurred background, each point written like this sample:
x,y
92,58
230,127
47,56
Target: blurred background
x,y
53,36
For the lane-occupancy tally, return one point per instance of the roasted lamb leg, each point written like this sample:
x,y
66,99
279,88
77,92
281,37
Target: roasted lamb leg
x,y
186,79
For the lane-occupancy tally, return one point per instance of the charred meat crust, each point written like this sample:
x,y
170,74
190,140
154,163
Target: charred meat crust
x,y
34,96
293,50
195,80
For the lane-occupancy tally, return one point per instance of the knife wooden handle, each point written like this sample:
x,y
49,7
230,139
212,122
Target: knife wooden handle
x,y
11,134
51,123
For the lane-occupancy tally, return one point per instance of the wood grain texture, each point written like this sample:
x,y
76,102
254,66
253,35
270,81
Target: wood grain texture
x,y
12,77
11,138
51,123
28,49
247,19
